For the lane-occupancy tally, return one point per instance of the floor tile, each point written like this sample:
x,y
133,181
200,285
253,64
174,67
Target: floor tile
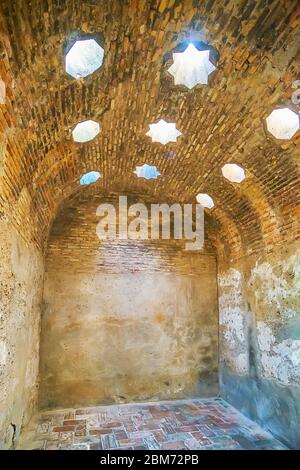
x,y
183,424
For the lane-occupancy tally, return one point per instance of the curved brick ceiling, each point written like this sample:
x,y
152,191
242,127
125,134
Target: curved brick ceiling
x,y
223,122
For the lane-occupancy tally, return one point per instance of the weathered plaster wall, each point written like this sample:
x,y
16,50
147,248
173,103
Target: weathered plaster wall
x,y
125,320
21,277
259,308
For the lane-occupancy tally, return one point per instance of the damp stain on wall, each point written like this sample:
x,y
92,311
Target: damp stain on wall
x,y
259,308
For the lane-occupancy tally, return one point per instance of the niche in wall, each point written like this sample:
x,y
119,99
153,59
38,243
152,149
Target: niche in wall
x,y
124,320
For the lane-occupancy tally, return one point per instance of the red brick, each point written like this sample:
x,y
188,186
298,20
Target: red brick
x,y
63,428
96,432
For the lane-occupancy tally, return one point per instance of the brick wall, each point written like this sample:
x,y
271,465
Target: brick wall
x,y
124,320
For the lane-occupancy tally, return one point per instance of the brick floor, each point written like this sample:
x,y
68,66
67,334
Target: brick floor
x,y
185,424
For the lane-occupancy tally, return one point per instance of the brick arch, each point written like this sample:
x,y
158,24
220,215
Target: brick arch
x,y
220,123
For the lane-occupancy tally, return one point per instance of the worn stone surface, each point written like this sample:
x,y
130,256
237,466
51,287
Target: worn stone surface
x,y
124,320
20,296
259,308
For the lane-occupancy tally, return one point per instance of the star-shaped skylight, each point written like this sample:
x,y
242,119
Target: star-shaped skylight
x,y
163,132
191,67
147,171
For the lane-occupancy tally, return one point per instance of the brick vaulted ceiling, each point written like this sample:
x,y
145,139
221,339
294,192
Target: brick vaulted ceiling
x,y
258,43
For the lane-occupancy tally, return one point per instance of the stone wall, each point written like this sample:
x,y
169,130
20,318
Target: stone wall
x,y
21,277
259,307
125,320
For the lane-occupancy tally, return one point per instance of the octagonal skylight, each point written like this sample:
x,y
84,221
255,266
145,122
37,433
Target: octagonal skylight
x,y
191,67
205,200
84,57
283,123
163,132
233,172
85,131
147,171
90,177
